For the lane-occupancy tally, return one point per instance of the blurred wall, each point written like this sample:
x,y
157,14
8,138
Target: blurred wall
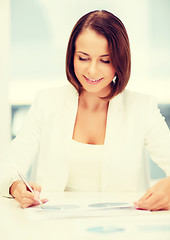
x,y
4,72
40,31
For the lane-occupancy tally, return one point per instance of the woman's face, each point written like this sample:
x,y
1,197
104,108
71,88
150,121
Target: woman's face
x,y
92,64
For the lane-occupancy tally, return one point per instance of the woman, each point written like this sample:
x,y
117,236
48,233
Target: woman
x,y
92,134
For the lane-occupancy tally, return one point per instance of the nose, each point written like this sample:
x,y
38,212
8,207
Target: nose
x,y
92,69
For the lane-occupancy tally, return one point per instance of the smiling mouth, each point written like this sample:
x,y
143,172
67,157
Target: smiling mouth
x,y
93,81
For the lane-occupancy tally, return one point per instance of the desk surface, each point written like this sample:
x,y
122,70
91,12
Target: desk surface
x,y
15,224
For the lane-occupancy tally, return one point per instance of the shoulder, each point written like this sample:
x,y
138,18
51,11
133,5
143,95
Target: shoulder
x,y
137,96
51,100
54,95
138,104
140,108
136,99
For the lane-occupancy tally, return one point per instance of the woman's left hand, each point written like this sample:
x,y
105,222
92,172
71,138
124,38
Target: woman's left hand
x,y
157,197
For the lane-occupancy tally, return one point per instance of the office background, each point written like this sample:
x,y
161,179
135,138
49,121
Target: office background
x,y
37,40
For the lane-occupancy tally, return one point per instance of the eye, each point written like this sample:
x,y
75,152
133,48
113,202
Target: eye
x,y
82,59
105,61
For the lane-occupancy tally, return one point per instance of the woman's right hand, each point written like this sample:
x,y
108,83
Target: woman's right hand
x,y
23,196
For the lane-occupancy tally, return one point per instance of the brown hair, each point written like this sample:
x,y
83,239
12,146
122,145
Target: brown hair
x,y
109,26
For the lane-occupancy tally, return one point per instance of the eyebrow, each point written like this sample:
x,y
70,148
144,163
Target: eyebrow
x,y
104,55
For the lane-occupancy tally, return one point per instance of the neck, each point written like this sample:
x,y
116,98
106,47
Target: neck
x,y
90,101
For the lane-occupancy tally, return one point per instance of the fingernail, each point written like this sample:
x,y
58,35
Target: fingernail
x,y
45,200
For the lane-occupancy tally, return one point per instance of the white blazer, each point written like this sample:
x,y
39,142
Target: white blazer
x,y
134,124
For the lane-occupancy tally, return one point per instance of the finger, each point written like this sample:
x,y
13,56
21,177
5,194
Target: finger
x,y
148,204
37,195
45,200
25,193
163,204
25,197
35,187
156,207
161,201
146,195
33,204
26,202
31,198
19,188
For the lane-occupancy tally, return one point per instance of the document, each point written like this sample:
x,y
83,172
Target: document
x,y
94,220
74,210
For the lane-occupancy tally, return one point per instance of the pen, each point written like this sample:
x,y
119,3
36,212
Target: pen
x,y
29,187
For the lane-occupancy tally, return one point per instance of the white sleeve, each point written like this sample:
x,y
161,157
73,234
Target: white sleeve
x,y
22,149
157,138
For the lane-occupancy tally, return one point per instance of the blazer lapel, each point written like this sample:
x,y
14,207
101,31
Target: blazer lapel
x,y
112,140
58,145
114,119
69,112
67,120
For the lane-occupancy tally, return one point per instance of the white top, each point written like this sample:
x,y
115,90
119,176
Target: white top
x,y
85,167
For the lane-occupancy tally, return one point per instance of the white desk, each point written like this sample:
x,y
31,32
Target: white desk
x,y
15,224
